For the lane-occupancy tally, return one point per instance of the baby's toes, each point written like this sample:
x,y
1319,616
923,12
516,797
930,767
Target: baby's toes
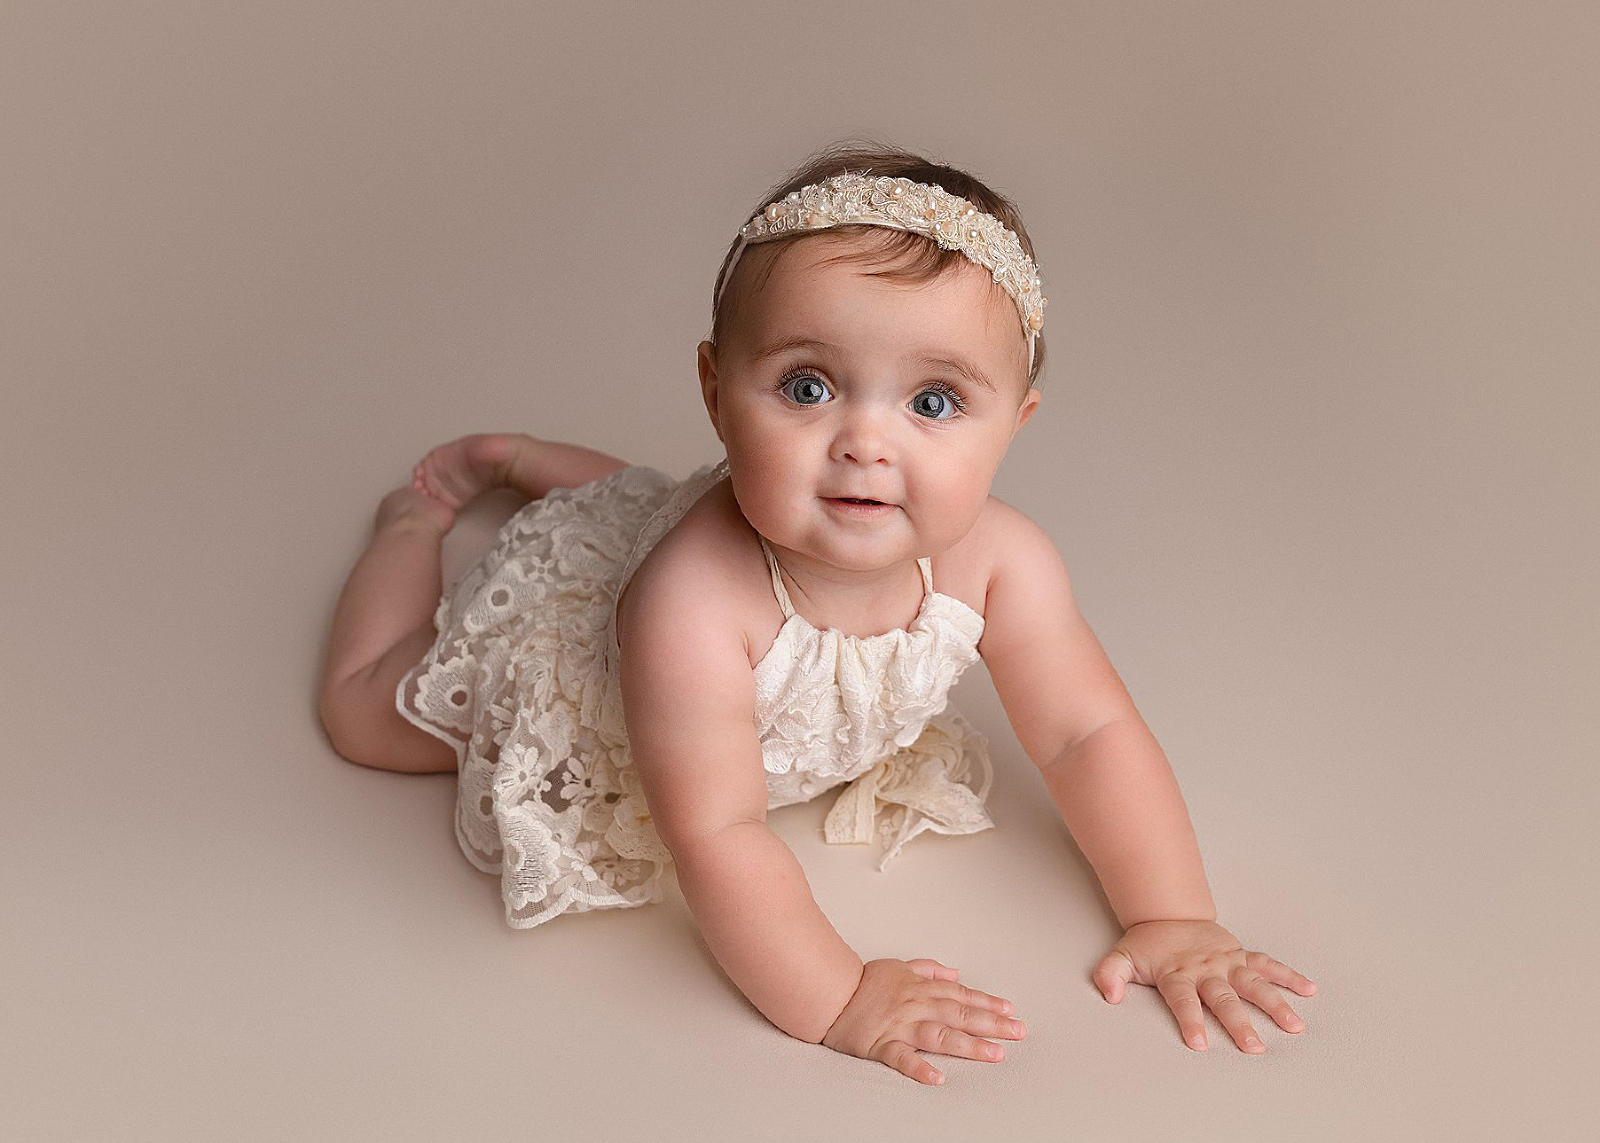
x,y
434,480
450,477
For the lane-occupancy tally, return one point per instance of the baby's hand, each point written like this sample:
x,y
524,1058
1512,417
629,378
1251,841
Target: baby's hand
x,y
1191,961
901,1006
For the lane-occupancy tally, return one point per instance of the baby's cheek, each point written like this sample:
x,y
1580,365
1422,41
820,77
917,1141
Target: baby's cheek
x,y
766,509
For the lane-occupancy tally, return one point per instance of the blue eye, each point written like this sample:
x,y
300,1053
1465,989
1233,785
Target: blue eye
x,y
937,403
807,389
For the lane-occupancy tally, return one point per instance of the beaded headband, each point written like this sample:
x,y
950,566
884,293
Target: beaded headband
x,y
900,204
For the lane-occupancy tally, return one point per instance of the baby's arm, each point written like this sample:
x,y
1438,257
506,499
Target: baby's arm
x,y
689,697
1104,769
688,693
1117,794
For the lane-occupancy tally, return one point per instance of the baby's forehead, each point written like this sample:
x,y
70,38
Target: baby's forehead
x,y
788,287
852,254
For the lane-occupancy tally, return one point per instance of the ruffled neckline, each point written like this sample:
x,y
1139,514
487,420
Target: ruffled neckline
x,y
799,629
929,600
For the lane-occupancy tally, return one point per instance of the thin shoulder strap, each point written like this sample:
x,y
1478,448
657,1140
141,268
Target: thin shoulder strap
x,y
924,565
777,581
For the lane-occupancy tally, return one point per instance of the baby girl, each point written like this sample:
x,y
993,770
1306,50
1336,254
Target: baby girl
x,y
640,668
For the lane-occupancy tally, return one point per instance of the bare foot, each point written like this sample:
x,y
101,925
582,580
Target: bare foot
x,y
456,473
411,507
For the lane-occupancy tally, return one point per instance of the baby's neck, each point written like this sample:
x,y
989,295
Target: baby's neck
x,y
853,601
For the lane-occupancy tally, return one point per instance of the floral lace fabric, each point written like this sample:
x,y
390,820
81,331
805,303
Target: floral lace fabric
x,y
522,681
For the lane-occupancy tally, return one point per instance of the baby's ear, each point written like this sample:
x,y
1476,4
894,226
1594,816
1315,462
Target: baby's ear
x,y
1026,410
706,359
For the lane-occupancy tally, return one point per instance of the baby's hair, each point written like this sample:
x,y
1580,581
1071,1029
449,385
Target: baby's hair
x,y
905,256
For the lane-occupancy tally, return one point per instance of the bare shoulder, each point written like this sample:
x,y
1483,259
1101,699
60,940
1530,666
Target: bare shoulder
x,y
1018,546
1026,582
1004,542
1052,675
705,573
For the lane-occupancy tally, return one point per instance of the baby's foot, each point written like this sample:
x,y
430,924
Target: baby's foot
x,y
456,473
411,507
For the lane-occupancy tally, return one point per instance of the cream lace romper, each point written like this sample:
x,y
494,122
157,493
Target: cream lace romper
x,y
523,682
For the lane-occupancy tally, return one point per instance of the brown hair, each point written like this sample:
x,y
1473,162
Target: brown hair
x,y
908,257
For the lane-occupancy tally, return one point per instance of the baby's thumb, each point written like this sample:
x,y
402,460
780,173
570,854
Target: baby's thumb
x,y
1112,975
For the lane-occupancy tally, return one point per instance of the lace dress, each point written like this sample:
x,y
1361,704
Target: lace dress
x,y
522,681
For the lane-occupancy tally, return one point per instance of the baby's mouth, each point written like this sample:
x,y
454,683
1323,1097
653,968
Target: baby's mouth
x,y
858,502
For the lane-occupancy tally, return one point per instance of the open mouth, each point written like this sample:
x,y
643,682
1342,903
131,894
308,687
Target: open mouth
x,y
858,504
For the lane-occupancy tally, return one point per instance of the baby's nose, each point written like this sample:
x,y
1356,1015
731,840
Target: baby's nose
x,y
864,437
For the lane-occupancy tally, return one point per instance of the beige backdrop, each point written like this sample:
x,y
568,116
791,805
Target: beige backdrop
x,y
1317,446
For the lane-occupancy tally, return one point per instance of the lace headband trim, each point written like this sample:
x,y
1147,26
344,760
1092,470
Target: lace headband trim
x,y
920,208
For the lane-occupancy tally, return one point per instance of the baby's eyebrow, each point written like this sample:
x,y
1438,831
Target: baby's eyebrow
x,y
971,372
788,343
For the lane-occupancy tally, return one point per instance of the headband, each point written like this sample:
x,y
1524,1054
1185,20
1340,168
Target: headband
x,y
900,204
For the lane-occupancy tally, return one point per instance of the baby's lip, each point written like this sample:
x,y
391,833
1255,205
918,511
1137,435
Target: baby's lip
x,y
872,499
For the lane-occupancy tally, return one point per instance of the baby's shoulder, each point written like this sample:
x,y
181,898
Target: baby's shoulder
x,y
704,572
1000,537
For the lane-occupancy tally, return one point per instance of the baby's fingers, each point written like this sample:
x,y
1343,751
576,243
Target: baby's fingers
x,y
933,1036
1180,994
932,969
1267,998
902,1057
1235,1016
1280,973
977,1020
976,999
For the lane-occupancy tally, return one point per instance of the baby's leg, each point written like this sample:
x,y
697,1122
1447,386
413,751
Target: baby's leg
x,y
459,471
382,627
384,621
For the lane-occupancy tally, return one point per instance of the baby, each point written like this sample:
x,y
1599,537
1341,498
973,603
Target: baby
x,y
641,668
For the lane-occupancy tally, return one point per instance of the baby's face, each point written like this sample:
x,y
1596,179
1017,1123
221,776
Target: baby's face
x,y
833,384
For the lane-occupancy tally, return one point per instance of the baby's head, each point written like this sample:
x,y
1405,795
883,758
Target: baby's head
x,y
891,255
874,339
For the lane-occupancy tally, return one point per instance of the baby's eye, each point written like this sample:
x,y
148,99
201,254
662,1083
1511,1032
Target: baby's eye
x,y
937,403
805,389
